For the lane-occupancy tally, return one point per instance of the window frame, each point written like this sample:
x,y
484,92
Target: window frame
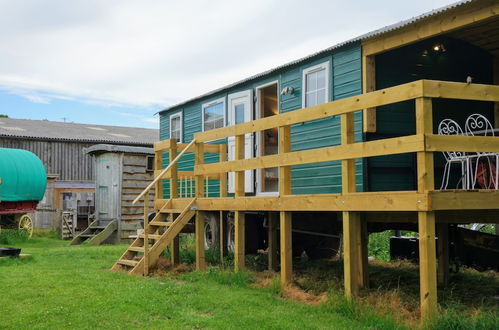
x,y
209,104
177,115
318,67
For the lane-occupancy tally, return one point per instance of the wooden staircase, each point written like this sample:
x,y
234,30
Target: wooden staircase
x,y
160,231
97,233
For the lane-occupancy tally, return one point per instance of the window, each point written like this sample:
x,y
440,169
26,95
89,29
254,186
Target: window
x,y
176,127
214,114
316,85
150,163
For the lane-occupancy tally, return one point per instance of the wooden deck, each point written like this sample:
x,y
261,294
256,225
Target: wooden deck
x,y
427,207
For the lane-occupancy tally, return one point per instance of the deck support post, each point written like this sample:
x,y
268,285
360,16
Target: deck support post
x,y
272,240
443,253
364,256
223,193
354,231
352,253
172,154
426,219
285,217
286,248
200,261
239,243
239,216
223,237
199,192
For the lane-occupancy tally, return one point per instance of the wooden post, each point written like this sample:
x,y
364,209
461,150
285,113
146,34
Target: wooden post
x,y
355,261
199,191
223,237
286,249
426,220
239,216
272,240
174,245
223,176
351,252
443,253
369,85
200,261
146,234
364,255
285,217
284,171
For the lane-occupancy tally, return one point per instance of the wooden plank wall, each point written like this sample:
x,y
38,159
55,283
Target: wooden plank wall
x,y
135,179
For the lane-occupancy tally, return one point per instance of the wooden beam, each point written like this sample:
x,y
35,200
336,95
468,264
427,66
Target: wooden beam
x,y
460,91
496,104
427,265
200,260
443,253
239,189
464,200
377,98
272,240
363,254
369,85
462,143
347,165
183,174
286,248
447,21
239,253
399,145
425,164
163,145
351,250
223,176
284,171
368,201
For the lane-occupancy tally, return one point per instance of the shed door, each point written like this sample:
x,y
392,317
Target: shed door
x,y
240,110
107,184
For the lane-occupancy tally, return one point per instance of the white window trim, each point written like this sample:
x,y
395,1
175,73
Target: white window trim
x,y
178,115
321,66
205,105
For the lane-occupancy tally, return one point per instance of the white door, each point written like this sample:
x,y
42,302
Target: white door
x,y
240,110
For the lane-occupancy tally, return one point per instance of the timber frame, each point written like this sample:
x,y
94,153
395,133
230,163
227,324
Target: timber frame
x,y
425,206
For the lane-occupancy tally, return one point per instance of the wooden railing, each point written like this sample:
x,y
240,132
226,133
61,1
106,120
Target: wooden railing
x,y
423,142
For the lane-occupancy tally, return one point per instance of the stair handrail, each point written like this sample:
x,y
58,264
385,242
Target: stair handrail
x,y
156,179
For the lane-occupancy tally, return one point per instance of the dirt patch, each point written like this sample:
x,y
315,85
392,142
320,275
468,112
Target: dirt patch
x,y
292,292
164,267
263,279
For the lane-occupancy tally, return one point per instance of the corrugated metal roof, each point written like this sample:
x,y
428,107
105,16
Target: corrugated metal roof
x,y
368,35
59,131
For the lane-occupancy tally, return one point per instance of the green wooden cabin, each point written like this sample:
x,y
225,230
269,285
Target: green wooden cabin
x,y
453,53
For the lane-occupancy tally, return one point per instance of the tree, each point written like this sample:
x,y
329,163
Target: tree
x,y
4,116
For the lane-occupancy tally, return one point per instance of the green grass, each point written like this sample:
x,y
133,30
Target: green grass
x,y
63,286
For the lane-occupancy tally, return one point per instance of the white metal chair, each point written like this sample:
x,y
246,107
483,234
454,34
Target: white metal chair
x,y
477,124
450,127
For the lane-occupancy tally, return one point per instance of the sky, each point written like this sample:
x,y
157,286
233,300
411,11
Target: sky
x,y
118,62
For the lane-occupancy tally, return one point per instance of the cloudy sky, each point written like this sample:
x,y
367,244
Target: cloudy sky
x,y
117,62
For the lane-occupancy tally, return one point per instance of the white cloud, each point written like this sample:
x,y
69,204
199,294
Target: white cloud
x,y
146,53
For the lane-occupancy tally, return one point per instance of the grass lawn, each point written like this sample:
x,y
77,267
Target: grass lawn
x,y
63,286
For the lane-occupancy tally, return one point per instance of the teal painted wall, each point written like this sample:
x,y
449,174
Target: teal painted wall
x,y
345,81
415,62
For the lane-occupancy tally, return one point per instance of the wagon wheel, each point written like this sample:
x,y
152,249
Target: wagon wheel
x,y
26,223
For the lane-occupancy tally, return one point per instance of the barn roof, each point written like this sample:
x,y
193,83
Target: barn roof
x,y
365,36
60,131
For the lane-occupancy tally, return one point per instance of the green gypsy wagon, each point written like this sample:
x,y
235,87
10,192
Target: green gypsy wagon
x,y
22,185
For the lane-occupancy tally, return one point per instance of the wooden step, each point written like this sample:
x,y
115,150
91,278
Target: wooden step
x,y
177,211
131,263
136,248
161,223
87,235
151,236
97,227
